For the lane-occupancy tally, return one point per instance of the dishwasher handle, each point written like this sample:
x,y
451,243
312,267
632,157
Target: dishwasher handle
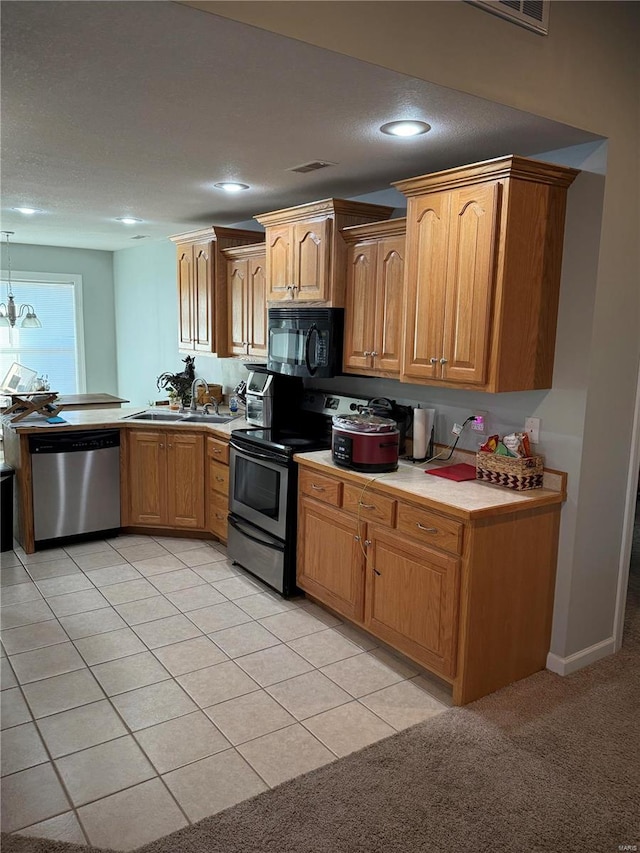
x,y
74,442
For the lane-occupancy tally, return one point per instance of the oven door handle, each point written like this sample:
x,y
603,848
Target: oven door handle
x,y
307,347
253,454
274,546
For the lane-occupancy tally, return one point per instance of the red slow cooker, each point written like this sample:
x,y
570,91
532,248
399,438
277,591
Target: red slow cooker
x,y
365,443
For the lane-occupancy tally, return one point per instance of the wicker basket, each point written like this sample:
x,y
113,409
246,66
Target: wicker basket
x,y
519,474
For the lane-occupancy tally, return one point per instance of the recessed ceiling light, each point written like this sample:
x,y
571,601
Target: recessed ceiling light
x,y
28,211
231,186
405,128
127,220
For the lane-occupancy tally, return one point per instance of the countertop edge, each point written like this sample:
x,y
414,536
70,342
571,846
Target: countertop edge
x,y
528,502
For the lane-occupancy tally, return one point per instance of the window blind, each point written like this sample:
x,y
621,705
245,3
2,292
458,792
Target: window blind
x,y
54,350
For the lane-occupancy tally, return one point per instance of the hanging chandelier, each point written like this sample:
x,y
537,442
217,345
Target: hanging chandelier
x,y
11,313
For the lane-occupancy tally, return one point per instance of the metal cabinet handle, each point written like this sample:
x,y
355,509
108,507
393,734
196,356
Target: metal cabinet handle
x,y
433,360
217,451
367,542
162,445
367,506
443,361
356,538
376,571
366,354
317,488
219,517
426,529
219,479
374,354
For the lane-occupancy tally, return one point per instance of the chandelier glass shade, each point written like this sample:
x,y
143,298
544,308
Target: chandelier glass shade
x,y
10,313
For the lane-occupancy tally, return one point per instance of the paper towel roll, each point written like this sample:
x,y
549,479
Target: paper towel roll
x,y
422,426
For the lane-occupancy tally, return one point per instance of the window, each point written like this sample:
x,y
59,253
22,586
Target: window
x,y
57,349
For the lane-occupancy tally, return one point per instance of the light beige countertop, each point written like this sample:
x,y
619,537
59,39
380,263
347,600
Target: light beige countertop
x,y
468,499
76,419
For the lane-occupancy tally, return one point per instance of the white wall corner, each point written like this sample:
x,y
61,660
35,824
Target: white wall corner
x,y
578,660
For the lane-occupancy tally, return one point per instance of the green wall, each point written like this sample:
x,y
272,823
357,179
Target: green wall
x,y
96,269
146,318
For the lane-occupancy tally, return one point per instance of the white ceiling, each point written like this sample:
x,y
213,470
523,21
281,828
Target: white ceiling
x,y
113,108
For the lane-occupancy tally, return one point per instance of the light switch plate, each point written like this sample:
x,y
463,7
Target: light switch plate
x,y
532,427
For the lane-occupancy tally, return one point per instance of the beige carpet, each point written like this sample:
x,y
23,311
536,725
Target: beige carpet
x,y
549,764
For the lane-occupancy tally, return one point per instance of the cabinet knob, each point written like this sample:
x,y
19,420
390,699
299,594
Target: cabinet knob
x,y
317,488
367,542
217,451
374,354
443,361
356,538
220,479
367,506
433,360
366,354
162,445
426,529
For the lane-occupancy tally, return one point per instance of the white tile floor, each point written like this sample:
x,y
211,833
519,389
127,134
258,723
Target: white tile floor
x,y
148,682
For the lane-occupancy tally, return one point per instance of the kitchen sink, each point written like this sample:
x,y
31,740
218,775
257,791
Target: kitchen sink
x,y
201,418
155,416
182,417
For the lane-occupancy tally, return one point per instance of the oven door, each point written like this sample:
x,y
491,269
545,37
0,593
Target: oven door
x,y
258,487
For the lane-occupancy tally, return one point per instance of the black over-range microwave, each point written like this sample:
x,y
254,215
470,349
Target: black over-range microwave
x,y
305,341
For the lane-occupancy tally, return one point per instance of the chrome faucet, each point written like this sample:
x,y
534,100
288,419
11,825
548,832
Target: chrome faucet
x,y
197,381
207,406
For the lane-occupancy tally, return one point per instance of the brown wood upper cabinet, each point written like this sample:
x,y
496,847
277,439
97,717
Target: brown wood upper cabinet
x,y
306,255
484,254
247,300
202,297
374,298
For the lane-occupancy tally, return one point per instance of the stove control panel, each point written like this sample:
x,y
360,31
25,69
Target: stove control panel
x,y
328,404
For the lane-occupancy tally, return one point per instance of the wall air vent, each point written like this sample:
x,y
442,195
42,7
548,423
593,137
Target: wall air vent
x,y
313,166
141,237
532,14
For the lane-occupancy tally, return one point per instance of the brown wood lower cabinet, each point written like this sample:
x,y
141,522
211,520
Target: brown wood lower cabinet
x,y
217,487
330,560
165,479
469,597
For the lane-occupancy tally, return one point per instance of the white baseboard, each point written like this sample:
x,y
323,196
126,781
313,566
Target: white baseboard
x,y
578,660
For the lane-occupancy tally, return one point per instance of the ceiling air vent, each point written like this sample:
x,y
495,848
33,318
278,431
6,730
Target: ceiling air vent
x,y
532,14
141,237
313,166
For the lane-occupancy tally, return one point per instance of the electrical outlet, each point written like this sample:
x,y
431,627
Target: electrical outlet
x,y
532,427
480,423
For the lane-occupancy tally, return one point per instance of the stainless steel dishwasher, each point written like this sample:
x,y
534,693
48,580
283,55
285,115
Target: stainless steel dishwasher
x,y
76,483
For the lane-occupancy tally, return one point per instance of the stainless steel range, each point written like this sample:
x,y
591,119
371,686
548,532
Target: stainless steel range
x,y
263,487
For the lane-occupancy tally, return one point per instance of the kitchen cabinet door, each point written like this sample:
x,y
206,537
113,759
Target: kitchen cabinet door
x,y
469,283
330,559
257,307
412,599
311,260
360,307
237,300
374,298
203,296
147,478
280,262
185,480
389,303
428,227
185,306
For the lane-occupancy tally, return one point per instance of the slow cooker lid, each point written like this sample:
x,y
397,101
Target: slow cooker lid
x,y
364,423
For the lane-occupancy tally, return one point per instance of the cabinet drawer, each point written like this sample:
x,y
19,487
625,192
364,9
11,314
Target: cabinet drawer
x,y
322,488
368,505
219,478
218,450
218,510
431,528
